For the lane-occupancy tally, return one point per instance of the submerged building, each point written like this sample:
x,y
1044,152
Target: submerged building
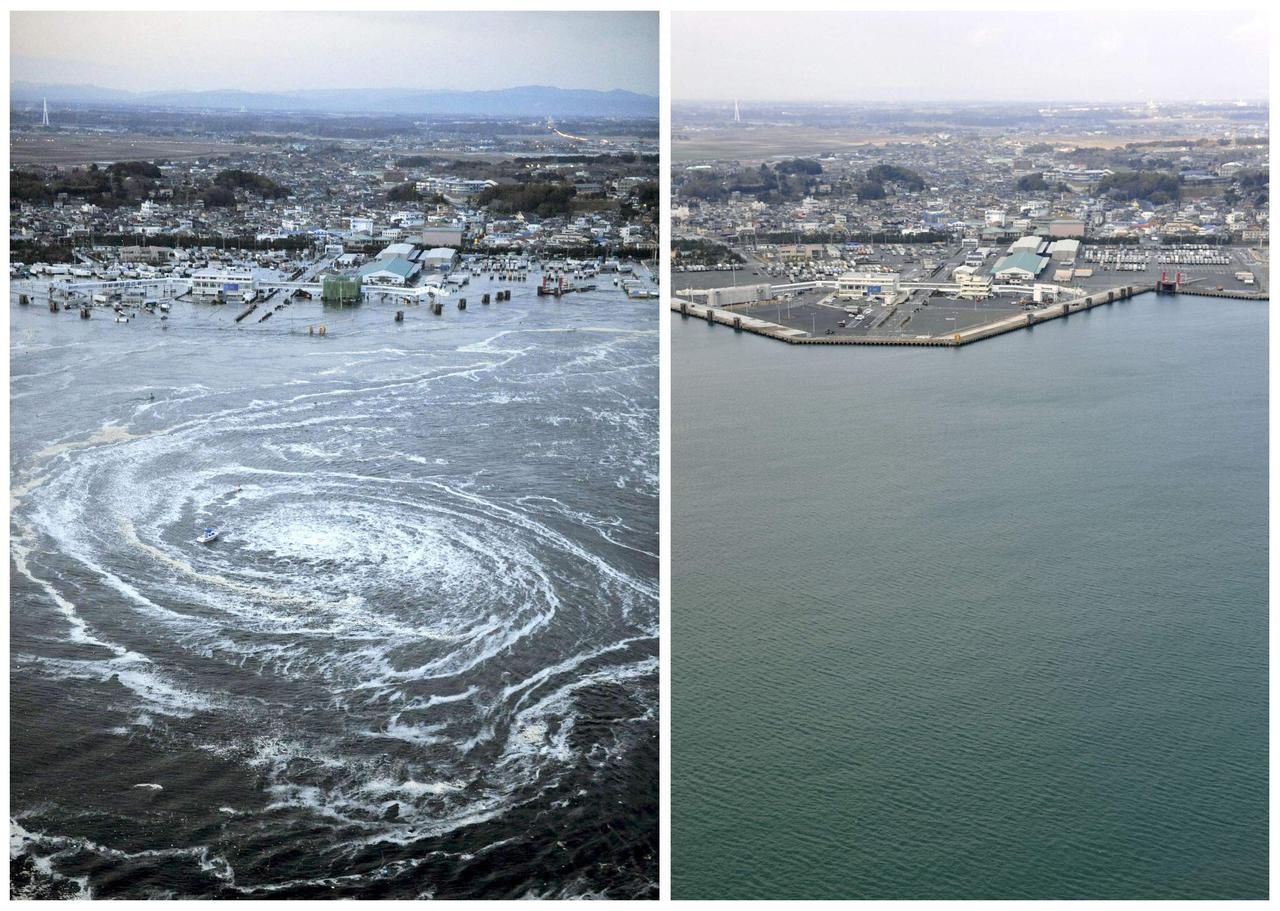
x,y
220,283
393,271
340,289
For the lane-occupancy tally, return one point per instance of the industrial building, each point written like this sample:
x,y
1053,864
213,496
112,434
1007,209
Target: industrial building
x,y
1064,251
1022,266
440,259
1066,227
1031,243
441,237
400,251
395,271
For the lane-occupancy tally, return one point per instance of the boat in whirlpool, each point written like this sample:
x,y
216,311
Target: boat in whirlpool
x,y
210,534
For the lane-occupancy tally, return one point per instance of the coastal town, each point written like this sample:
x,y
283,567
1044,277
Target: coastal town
x,y
242,201
952,219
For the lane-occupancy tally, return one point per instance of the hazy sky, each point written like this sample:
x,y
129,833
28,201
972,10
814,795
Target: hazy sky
x,y
993,56
273,51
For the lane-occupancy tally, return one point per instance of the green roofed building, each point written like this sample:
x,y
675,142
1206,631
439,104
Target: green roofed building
x,y
340,289
1022,266
393,271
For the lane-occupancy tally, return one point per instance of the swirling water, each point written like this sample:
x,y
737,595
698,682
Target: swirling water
x,y
420,660
984,623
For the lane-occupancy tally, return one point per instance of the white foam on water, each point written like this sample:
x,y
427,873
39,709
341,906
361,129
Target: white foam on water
x,y
385,787
78,629
422,735
21,840
531,730
132,671
387,594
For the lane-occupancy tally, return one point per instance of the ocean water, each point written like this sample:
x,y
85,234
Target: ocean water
x,y
981,623
420,661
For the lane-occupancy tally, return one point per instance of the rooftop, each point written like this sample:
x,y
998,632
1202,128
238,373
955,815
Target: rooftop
x,y
1024,260
396,265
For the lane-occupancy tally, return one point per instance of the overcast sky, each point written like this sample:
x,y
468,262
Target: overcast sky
x,y
281,51
981,56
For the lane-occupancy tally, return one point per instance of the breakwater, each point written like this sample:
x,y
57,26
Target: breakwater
x,y
950,340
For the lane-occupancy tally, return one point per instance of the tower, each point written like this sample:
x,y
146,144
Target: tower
x,y
45,121
737,115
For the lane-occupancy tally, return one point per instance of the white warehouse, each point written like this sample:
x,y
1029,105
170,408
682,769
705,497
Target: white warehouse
x,y
1064,251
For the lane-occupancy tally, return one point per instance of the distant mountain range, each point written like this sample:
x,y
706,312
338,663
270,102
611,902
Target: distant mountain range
x,y
519,101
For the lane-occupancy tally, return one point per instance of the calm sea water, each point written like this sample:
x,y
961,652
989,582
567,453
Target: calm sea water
x,y
976,623
420,660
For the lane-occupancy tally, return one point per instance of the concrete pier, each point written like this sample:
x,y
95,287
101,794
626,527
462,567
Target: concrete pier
x,y
1233,294
1012,323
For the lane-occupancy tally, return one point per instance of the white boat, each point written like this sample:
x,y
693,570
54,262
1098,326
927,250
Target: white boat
x,y
210,534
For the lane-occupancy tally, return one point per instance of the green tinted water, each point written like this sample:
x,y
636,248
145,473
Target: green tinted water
x,y
975,623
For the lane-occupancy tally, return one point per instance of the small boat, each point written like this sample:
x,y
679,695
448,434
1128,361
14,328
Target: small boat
x,y
210,534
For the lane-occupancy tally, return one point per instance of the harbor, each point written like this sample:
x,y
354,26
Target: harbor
x,y
314,307
739,318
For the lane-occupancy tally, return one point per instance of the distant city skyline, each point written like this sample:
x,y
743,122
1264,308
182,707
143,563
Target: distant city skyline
x,y
972,56
290,51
